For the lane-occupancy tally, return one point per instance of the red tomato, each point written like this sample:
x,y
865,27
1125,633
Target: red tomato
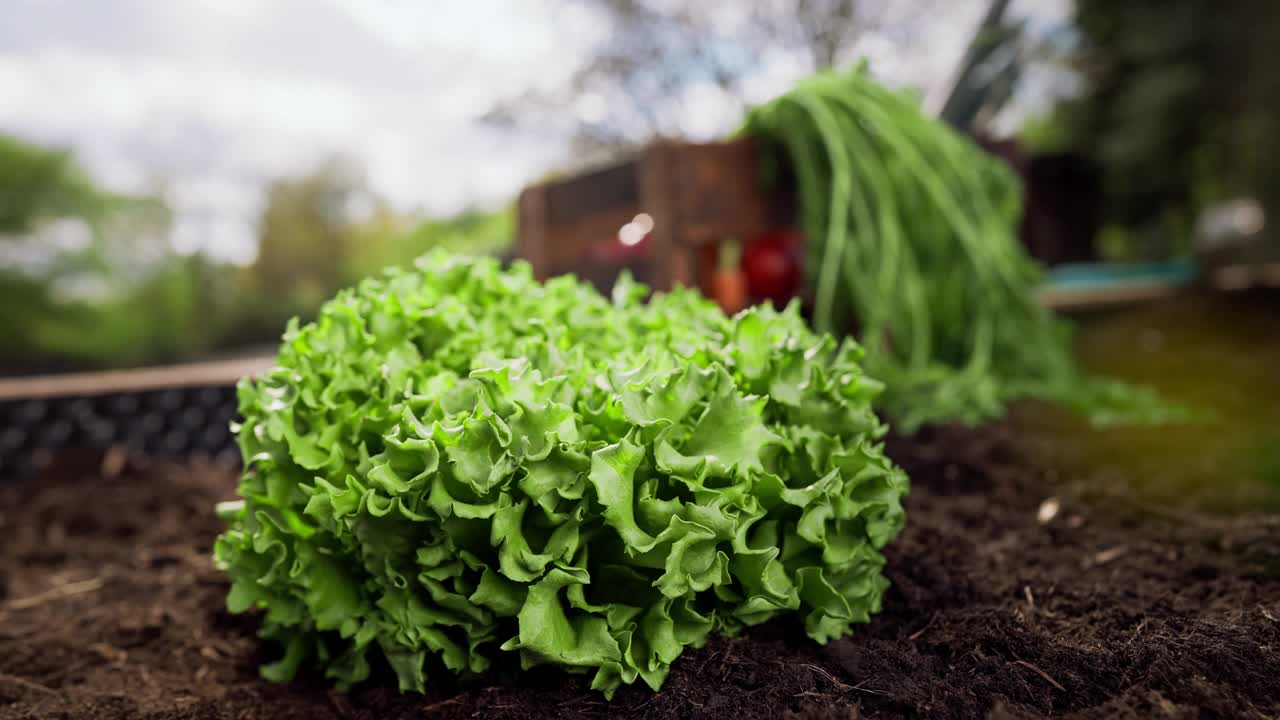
x,y
772,264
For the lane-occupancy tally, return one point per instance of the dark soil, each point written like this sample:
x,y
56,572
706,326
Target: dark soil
x,y
110,608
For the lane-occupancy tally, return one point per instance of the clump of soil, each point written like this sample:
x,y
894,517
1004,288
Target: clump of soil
x,y
110,608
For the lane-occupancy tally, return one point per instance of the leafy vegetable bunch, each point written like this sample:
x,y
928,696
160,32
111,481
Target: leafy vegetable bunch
x,y
913,246
456,462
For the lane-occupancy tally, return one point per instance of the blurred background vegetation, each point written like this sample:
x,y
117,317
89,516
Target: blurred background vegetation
x,y
1172,105
1178,112
89,278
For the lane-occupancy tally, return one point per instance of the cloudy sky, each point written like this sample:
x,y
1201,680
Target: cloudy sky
x,y
213,99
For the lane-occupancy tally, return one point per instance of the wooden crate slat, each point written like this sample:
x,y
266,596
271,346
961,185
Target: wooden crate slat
x,y
225,372
698,194
597,191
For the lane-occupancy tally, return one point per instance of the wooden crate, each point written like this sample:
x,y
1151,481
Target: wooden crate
x,y
697,194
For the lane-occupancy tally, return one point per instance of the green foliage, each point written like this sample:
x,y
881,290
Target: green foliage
x,y
471,232
306,238
170,307
36,322
130,311
1179,111
456,462
1044,135
1146,109
310,244
38,183
172,311
912,243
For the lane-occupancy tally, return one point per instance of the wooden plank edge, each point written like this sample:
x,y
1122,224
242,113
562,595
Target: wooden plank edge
x,y
224,372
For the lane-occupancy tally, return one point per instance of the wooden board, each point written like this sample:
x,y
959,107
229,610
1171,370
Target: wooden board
x,y
225,372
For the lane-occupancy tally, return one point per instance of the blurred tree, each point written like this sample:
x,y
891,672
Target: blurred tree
x,y
386,238
182,308
470,232
377,242
307,237
38,184
1181,110
39,187
1150,68
654,55
87,277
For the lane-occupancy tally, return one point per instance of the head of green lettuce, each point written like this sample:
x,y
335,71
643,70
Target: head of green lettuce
x,y
454,462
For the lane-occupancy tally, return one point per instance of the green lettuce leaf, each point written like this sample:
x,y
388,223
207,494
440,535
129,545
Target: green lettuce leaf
x,y
455,462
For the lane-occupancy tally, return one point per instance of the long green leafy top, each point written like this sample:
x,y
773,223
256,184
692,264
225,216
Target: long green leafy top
x,y
456,462
913,246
